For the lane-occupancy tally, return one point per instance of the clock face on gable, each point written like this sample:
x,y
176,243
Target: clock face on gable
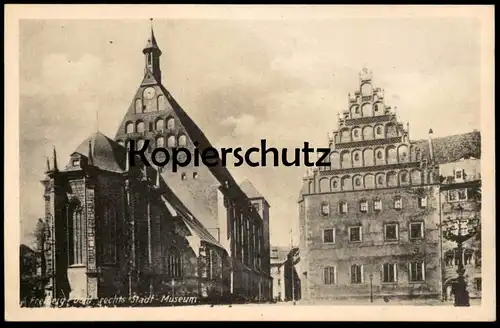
x,y
149,93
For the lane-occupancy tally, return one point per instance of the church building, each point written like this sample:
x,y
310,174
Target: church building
x,y
121,229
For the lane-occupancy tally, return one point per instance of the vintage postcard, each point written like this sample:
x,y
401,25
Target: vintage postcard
x,y
249,163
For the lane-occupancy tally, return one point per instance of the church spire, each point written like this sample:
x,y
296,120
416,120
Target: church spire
x,y
152,55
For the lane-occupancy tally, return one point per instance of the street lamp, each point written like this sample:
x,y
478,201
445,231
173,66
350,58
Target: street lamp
x,y
459,230
371,287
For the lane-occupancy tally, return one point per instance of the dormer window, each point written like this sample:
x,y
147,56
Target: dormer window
x,y
76,162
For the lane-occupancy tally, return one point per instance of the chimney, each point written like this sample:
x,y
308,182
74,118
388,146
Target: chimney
x,y
48,164
431,152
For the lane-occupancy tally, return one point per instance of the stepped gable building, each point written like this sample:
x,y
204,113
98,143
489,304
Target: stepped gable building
x,y
209,192
120,230
371,220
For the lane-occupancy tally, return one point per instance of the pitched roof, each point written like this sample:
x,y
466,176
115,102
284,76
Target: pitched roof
x,y
250,190
106,153
452,148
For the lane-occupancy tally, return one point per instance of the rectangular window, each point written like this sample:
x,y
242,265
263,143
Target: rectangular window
x,y
422,202
343,207
329,276
459,174
416,230
355,234
377,205
356,274
363,206
391,232
398,203
452,196
462,194
417,271
325,209
256,206
390,273
328,236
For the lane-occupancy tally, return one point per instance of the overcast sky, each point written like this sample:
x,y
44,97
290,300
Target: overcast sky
x,y
241,81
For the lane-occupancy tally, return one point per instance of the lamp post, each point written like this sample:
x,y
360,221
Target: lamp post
x,y
371,287
459,230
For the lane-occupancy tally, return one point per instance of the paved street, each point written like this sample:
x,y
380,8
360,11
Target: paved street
x,y
377,302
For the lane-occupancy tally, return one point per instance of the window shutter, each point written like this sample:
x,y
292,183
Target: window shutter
x,y
333,232
423,270
395,268
362,274
335,275
382,272
409,271
361,233
422,229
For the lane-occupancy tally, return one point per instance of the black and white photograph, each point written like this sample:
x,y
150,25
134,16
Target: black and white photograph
x,y
289,162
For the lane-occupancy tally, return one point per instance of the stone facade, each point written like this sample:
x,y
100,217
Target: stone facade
x,y
370,222
111,233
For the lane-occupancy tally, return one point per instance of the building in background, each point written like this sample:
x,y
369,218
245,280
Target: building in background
x,y
286,280
370,223
461,201
120,229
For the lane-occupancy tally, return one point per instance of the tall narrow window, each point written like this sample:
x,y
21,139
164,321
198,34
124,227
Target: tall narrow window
x,y
161,102
170,124
173,264
343,207
76,233
171,142
140,127
129,127
329,276
356,274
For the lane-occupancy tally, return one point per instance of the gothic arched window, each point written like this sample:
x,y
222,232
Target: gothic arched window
x,y
173,262
170,124
76,233
171,142
160,124
129,127
140,127
182,141
138,106
160,142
